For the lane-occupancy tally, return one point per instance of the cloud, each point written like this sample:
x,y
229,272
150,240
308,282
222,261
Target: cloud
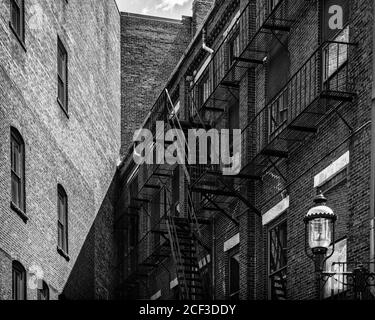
x,y
167,5
146,11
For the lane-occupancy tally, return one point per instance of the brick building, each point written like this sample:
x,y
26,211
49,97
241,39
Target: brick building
x,y
299,89
59,136
150,49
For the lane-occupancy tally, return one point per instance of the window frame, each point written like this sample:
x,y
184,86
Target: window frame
x,y
19,28
18,268
204,88
234,44
44,292
62,244
233,295
62,78
17,139
341,63
271,274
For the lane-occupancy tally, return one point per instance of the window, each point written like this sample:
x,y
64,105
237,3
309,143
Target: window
x,y
337,264
234,275
233,124
278,111
43,293
234,47
62,75
18,281
176,192
17,22
277,261
278,66
62,224
335,55
155,218
219,65
17,147
204,88
131,226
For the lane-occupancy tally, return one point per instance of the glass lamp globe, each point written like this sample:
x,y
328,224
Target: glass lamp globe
x,y
320,222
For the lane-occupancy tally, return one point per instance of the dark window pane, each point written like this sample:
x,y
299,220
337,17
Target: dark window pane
x,y
60,235
60,64
234,279
62,74
278,261
17,174
16,17
62,224
18,282
16,188
61,93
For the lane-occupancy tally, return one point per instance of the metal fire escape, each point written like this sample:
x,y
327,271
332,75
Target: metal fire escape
x,y
176,234
320,86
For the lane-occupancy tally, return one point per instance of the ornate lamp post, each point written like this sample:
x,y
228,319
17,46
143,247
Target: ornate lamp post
x,y
320,235
320,246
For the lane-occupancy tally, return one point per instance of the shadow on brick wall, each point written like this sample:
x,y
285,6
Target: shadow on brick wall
x,y
94,274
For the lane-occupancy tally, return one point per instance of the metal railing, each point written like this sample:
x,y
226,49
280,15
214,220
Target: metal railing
x,y
323,77
149,244
250,45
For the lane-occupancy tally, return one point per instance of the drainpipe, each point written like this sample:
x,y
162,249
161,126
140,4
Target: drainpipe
x,y
372,189
204,46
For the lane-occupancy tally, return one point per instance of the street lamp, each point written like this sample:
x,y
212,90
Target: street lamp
x,y
320,232
320,246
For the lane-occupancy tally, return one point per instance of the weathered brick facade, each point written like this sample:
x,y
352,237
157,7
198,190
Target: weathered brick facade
x,y
299,92
150,49
78,150
284,188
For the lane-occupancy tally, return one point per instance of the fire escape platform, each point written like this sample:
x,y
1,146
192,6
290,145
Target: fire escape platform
x,y
304,113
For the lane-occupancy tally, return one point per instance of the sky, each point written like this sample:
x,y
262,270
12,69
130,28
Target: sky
x,y
162,8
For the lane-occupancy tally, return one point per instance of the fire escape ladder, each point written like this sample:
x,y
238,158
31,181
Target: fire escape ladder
x,y
184,249
185,234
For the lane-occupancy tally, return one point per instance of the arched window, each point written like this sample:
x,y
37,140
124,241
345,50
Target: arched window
x,y
62,224
43,293
18,281
17,148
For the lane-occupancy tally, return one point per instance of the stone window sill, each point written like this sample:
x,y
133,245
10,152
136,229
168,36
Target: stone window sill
x,y
63,254
20,212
